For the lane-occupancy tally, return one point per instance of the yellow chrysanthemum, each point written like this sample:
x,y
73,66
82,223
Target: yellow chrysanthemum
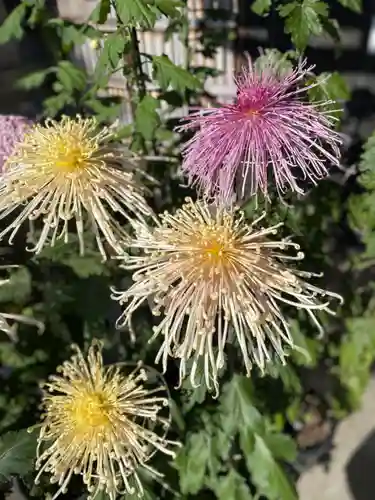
x,y
102,424
216,278
67,171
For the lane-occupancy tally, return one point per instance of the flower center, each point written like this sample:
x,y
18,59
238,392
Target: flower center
x,y
91,410
214,245
69,155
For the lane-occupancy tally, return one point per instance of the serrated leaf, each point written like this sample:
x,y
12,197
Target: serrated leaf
x,y
191,463
112,51
330,86
267,474
238,410
53,105
170,8
146,117
355,5
12,26
356,356
279,61
71,77
136,12
303,19
103,112
18,289
232,487
17,453
172,76
281,446
332,28
261,7
34,80
85,266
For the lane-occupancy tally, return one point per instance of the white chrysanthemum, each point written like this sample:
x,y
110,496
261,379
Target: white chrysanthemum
x,y
66,173
216,278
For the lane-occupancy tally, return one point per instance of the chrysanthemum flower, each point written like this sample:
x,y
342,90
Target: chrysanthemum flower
x,y
268,129
217,279
67,171
12,130
100,423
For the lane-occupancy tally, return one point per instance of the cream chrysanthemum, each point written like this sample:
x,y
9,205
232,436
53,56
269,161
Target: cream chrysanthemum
x,y
67,171
101,424
216,278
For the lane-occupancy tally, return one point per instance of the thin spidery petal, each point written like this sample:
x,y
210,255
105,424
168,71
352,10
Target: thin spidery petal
x,y
102,424
216,279
269,132
68,174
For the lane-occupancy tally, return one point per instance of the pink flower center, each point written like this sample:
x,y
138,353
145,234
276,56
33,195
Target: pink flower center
x,y
251,101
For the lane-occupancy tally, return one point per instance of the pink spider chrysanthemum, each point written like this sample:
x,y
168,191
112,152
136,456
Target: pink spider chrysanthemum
x,y
12,131
269,129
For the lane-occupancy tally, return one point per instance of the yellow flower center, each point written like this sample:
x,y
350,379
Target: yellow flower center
x,y
69,155
91,410
213,245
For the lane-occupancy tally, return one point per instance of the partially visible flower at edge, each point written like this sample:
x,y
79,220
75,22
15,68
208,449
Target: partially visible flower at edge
x,y
68,171
268,129
216,279
99,423
12,131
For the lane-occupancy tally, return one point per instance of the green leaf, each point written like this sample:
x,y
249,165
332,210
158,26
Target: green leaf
x,y
356,356
169,75
266,473
17,453
303,19
34,80
170,8
332,28
53,105
112,51
355,5
330,86
232,487
281,446
146,117
191,463
37,12
104,112
71,77
261,7
72,35
85,266
12,26
18,288
133,12
279,61
237,406
101,12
